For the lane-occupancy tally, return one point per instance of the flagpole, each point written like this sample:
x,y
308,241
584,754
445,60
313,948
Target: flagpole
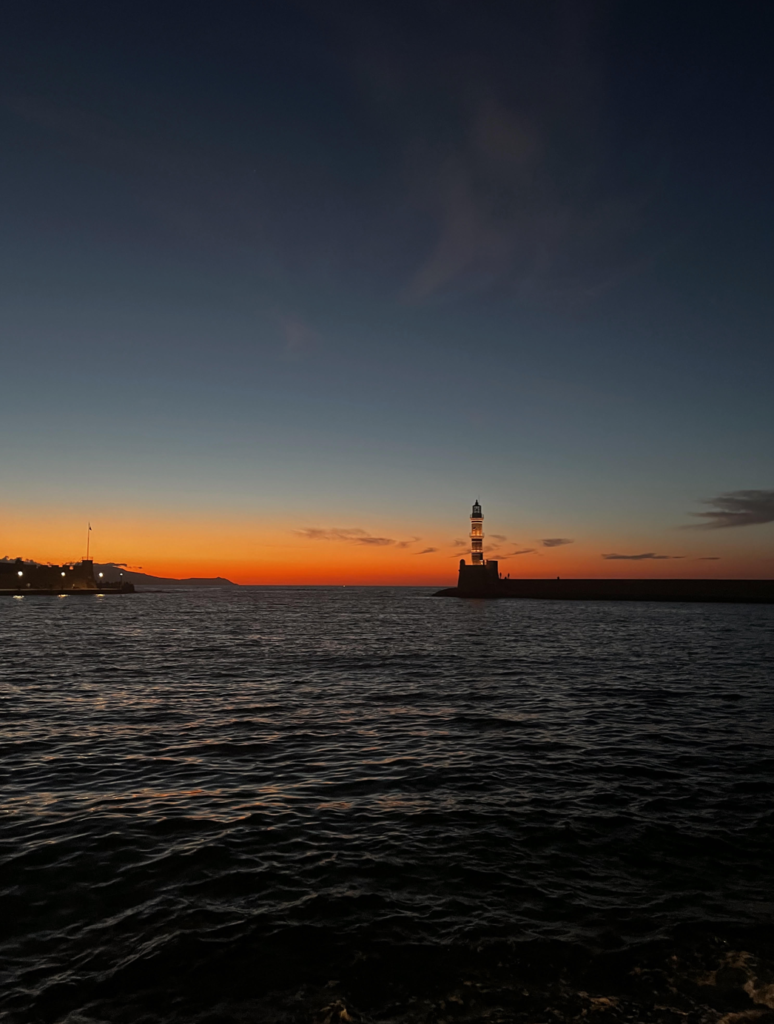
x,y
88,538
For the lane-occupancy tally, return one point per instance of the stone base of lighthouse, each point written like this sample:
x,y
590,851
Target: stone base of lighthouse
x,y
475,580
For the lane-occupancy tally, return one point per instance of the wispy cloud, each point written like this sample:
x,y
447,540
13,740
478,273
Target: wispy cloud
x,y
709,558
555,542
459,544
299,337
504,218
352,535
523,551
426,551
498,536
736,508
648,555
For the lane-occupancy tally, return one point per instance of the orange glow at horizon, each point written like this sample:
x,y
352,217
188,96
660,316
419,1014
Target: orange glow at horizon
x,y
235,548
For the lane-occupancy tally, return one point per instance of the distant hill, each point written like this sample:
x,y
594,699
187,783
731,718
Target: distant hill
x,y
113,573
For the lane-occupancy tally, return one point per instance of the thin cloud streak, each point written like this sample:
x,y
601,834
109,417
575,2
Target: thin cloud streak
x,y
353,535
555,542
736,508
648,555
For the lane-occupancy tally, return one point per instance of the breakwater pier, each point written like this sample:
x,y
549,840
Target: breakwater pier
x,y
729,591
481,578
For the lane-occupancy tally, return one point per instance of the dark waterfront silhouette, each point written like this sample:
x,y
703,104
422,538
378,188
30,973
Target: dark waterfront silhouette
x,y
248,804
79,579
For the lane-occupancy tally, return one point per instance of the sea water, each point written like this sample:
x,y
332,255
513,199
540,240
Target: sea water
x,y
239,804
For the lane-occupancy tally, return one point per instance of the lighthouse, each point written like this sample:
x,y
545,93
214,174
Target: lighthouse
x,y
477,535
481,577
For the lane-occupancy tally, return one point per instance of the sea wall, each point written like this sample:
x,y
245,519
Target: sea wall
x,y
736,591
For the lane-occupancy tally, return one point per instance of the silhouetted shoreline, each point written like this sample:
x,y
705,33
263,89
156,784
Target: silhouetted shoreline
x,y
34,579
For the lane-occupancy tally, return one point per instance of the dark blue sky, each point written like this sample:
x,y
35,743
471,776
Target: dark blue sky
x,y
299,256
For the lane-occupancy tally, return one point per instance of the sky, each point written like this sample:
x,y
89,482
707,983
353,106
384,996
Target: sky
x,y
286,286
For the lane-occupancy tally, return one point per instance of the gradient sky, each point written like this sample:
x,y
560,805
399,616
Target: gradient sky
x,y
285,286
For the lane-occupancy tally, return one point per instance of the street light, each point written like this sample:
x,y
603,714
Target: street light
x,y
19,573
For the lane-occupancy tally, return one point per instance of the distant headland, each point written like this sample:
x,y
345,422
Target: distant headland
x,y
114,572
481,578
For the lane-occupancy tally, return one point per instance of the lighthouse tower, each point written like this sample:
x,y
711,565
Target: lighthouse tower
x,y
477,535
480,578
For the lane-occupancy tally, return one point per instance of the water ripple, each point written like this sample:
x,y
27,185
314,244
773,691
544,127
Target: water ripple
x,y
196,775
